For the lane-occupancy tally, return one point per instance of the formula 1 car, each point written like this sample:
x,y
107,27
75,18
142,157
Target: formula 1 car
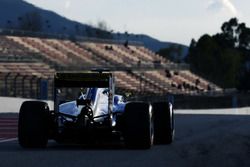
x,y
86,109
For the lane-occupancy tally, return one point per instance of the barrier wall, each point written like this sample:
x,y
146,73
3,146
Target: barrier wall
x,y
234,100
12,104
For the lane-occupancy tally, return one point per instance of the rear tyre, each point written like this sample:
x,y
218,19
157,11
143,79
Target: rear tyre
x,y
33,124
138,131
163,123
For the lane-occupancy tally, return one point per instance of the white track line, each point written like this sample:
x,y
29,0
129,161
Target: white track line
x,y
8,140
230,111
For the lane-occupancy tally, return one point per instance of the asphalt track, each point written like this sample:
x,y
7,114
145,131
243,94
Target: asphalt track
x,y
202,140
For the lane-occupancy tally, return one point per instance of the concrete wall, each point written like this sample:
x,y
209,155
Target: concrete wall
x,y
12,105
209,102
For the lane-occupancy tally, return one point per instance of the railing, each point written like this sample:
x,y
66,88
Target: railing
x,y
23,33
26,86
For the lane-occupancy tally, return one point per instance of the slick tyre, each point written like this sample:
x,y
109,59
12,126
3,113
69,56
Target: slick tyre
x,y
33,124
163,123
138,128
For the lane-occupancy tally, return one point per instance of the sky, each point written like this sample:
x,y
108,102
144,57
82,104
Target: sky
x,y
167,20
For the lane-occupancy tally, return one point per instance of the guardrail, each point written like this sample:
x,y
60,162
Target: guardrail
x,y
144,66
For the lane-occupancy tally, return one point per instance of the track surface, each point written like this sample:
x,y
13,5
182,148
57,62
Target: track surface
x,y
8,128
201,140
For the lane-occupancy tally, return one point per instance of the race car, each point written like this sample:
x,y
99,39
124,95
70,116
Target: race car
x,y
86,109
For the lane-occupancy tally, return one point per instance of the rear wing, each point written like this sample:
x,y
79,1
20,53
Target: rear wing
x,y
87,80
84,79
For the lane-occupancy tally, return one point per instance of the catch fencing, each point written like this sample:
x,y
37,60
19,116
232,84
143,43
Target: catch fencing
x,y
26,86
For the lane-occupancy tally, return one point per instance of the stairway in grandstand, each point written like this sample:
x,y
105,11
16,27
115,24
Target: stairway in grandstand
x,y
25,58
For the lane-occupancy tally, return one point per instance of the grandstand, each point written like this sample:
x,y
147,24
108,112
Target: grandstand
x,y
27,61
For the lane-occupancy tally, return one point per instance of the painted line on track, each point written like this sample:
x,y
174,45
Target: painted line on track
x,y
8,140
230,111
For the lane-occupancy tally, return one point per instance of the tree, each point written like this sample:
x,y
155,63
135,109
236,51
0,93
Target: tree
x,y
77,30
102,25
229,32
224,57
100,30
31,21
244,80
173,53
48,25
244,38
215,59
9,24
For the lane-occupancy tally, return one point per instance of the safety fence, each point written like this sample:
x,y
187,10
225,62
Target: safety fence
x,y
26,86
